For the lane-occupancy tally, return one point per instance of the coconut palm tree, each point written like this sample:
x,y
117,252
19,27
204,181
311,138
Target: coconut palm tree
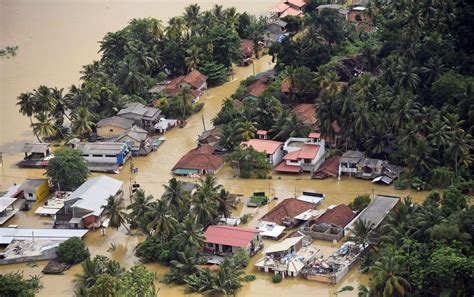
x,y
228,280
90,71
60,108
256,31
421,160
157,29
191,17
369,57
44,126
114,211
186,263
131,79
174,195
329,84
139,207
363,233
26,102
210,181
204,206
82,122
193,57
161,218
246,130
190,234
405,109
225,203
406,75
218,11
45,102
459,149
293,127
185,100
388,277
176,28
434,69
362,119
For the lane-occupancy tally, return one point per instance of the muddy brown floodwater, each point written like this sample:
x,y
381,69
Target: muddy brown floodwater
x,y
56,38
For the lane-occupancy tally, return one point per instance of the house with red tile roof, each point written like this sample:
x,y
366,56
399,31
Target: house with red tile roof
x,y
287,212
331,224
329,168
246,48
199,161
288,8
256,88
302,154
307,113
194,80
273,149
225,240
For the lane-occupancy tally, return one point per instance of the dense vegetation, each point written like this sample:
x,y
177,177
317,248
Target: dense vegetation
x,y
422,250
134,59
67,170
102,276
15,284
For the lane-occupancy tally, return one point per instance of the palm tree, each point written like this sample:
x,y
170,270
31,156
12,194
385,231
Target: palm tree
x,y
289,77
225,203
191,17
190,234
363,233
210,181
459,149
193,57
139,207
44,99
228,281
388,277
369,57
185,100
157,29
90,71
114,211
256,31
293,127
186,263
434,69
405,109
27,104
329,84
161,218
132,80
81,122
246,130
44,126
174,195
362,119
218,11
176,28
204,206
421,160
60,108
406,75
439,134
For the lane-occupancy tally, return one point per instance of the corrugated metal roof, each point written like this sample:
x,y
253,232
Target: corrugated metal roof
x,y
44,234
35,147
94,193
116,121
107,148
283,246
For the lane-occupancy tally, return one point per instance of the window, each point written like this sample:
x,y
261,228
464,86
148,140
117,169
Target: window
x,y
100,156
110,156
111,130
30,194
210,245
307,161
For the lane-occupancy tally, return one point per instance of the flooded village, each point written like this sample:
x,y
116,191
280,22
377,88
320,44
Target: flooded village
x,y
295,221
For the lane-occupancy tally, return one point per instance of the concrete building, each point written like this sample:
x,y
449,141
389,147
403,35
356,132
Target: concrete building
x,y
348,162
301,154
105,156
83,208
225,240
35,189
143,116
37,155
112,127
273,149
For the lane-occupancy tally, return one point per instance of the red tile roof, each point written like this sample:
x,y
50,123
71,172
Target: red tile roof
x,y
200,158
195,78
257,88
307,113
285,86
233,236
340,216
279,8
246,47
329,168
314,135
264,145
237,103
309,151
291,11
175,91
262,132
290,207
283,167
297,3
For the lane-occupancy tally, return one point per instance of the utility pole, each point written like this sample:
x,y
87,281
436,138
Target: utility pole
x,y
203,123
253,66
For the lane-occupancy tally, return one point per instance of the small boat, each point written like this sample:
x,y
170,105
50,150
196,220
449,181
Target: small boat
x,y
159,141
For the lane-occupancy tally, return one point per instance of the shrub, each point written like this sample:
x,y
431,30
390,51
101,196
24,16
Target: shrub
x,y
250,278
442,177
360,202
197,107
15,284
277,278
72,251
245,218
241,258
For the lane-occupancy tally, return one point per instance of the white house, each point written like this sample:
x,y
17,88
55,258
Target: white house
x,y
273,149
349,161
302,154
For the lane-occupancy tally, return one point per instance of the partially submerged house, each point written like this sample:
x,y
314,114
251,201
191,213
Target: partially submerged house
x,y
349,161
272,149
37,155
26,245
83,208
138,139
246,50
301,154
225,240
7,209
112,127
35,189
195,81
288,257
105,156
143,116
288,8
257,88
210,136
377,210
333,269
165,124
330,168
274,32
199,161
307,113
331,224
